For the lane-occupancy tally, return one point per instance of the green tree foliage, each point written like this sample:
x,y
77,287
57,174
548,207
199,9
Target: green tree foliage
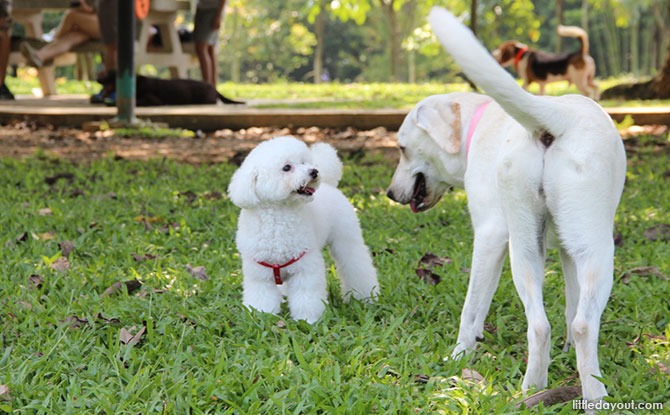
x,y
382,40
385,40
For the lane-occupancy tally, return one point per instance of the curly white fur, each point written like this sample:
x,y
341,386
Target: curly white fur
x,y
290,207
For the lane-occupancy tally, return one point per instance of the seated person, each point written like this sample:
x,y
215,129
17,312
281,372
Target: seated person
x,y
5,39
79,24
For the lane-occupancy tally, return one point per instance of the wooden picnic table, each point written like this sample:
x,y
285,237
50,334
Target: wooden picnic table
x,y
162,15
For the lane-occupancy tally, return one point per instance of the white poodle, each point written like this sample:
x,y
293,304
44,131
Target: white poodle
x,y
291,209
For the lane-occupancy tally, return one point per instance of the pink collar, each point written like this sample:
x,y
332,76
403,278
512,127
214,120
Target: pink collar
x,y
473,124
276,268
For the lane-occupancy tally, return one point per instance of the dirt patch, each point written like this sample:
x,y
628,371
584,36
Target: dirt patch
x,y
24,140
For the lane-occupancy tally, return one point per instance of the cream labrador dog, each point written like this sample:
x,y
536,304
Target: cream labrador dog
x,y
553,169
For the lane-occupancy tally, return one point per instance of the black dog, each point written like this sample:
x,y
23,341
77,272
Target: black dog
x,y
156,91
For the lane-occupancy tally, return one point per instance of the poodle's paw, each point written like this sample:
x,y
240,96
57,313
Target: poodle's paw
x,y
308,312
269,303
366,295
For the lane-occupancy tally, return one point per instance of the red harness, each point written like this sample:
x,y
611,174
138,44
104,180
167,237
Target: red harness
x,y
518,56
276,268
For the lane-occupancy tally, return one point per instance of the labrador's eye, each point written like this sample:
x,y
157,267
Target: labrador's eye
x,y
287,167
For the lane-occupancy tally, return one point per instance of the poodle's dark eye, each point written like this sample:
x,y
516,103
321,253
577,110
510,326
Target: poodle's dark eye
x,y
287,167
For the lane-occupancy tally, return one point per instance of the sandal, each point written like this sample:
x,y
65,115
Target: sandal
x,y
30,54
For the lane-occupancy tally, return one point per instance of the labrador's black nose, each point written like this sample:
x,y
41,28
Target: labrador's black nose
x,y
314,173
390,194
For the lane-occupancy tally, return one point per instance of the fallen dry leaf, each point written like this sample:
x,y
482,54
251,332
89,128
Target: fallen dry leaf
x,y
471,375
490,328
46,236
552,396
45,212
166,228
646,271
144,257
117,287
75,322
128,338
213,195
66,248
421,378
148,219
198,272
618,239
36,280
659,232
53,179
429,259
61,264
428,276
190,196
4,393
22,238
660,367
107,320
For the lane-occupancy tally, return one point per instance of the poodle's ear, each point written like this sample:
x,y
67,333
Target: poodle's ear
x,y
443,124
242,187
327,162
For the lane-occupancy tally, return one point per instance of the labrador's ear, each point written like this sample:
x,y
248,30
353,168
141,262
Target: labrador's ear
x,y
442,123
242,187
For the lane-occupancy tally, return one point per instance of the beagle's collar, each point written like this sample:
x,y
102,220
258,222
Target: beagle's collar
x,y
276,268
517,58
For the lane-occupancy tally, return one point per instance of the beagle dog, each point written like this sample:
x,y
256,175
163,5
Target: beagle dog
x,y
538,171
577,67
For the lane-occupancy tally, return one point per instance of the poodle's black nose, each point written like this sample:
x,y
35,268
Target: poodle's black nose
x,y
314,173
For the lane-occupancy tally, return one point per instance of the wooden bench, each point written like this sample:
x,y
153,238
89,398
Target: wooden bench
x,y
175,55
172,54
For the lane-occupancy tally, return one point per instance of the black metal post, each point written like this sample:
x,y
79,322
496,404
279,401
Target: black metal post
x,y
125,74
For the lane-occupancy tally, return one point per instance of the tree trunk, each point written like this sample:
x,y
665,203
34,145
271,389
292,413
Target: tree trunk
x,y
662,32
635,42
656,88
612,40
585,15
663,79
319,25
559,21
236,47
473,16
395,41
599,39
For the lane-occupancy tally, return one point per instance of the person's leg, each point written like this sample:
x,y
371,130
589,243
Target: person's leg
x,y
201,49
107,21
205,48
5,44
75,28
213,73
110,57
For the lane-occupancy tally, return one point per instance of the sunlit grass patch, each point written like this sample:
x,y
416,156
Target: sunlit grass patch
x,y
199,351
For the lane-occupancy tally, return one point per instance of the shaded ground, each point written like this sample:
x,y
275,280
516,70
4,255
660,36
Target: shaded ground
x,y
25,140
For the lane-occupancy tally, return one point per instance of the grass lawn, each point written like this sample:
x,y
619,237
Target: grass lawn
x,y
182,343
325,96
